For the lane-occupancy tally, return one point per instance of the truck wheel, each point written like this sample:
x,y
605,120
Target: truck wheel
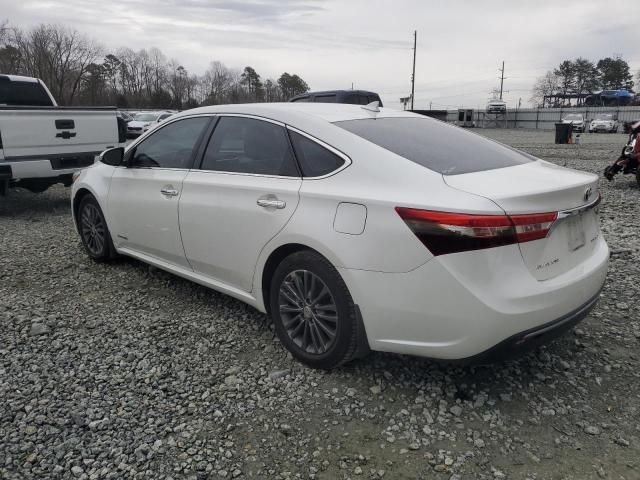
x,y
93,229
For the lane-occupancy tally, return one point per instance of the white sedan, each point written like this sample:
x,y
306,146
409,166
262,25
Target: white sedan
x,y
144,121
355,228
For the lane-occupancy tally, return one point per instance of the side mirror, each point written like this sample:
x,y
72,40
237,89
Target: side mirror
x,y
113,156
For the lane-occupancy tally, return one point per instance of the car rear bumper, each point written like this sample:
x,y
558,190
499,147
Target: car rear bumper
x,y
462,305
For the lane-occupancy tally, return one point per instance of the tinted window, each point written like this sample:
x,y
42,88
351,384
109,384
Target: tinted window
x,y
302,99
247,145
171,146
356,99
314,159
374,98
23,93
433,144
325,98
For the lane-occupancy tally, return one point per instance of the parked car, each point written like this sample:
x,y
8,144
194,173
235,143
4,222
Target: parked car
x,y
496,106
354,97
355,229
143,121
626,126
604,122
42,144
576,120
126,116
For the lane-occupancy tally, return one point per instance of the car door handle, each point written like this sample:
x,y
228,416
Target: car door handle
x,y
271,203
169,191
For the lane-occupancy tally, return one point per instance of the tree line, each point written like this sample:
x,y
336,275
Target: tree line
x,y
579,78
79,71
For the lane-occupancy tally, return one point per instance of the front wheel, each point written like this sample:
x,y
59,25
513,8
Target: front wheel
x,y
93,230
313,312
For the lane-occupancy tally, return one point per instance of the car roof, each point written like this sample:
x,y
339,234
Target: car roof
x,y
292,113
19,78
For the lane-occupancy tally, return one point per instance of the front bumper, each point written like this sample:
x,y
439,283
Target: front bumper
x,y
459,306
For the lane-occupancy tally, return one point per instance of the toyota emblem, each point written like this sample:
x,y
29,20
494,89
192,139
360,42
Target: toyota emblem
x,y
587,194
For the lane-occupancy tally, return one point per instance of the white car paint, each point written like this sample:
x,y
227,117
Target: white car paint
x,y
604,123
447,306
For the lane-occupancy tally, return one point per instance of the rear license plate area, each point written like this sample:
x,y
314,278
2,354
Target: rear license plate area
x,y
577,237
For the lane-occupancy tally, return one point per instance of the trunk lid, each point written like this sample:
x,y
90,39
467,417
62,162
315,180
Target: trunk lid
x,y
542,187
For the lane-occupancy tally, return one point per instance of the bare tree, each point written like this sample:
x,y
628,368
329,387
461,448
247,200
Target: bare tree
x,y
58,55
545,86
74,68
217,80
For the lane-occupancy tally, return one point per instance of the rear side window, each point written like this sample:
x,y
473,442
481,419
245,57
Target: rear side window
x,y
301,99
435,145
247,145
357,99
23,94
325,99
314,159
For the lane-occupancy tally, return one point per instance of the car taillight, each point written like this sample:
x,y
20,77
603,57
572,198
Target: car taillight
x,y
444,232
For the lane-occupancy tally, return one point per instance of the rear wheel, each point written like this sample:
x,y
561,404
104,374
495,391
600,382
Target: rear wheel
x,y
313,312
93,230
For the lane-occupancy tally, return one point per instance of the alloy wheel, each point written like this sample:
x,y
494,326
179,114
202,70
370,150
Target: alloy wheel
x,y
308,311
93,229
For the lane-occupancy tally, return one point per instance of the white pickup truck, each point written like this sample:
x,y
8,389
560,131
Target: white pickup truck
x,y
42,144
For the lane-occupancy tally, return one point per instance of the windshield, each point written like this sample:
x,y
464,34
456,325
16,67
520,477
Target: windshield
x,y
146,117
435,145
573,116
604,116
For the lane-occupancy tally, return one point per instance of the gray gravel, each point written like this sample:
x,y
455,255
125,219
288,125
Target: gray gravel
x,y
122,371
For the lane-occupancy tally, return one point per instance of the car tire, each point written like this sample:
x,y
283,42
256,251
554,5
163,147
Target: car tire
x,y
93,230
314,315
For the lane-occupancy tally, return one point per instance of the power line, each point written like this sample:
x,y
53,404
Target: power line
x,y
413,75
501,78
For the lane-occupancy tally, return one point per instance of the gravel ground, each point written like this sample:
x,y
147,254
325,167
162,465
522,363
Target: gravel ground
x,y
123,371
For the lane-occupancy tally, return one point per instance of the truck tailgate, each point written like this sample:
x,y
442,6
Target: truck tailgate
x,y
48,133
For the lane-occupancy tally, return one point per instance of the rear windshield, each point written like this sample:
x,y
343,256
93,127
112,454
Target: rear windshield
x,y
435,145
23,94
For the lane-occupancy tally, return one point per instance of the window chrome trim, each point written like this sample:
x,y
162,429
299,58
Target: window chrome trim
x,y
343,156
155,129
159,126
254,117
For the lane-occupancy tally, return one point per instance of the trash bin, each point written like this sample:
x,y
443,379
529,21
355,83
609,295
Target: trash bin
x,y
563,132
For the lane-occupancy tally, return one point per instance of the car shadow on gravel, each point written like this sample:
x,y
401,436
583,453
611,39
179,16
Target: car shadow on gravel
x,y
20,202
379,368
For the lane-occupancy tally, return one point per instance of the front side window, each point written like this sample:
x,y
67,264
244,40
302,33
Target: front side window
x,y
314,159
248,145
435,145
171,146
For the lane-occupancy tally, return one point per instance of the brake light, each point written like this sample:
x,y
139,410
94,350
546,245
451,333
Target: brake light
x,y
444,232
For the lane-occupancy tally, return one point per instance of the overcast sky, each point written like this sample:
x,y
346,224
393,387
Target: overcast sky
x,y
331,44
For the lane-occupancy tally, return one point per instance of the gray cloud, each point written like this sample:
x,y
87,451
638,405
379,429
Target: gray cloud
x,y
332,43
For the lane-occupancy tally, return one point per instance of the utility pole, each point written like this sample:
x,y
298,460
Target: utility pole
x,y
501,79
413,75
